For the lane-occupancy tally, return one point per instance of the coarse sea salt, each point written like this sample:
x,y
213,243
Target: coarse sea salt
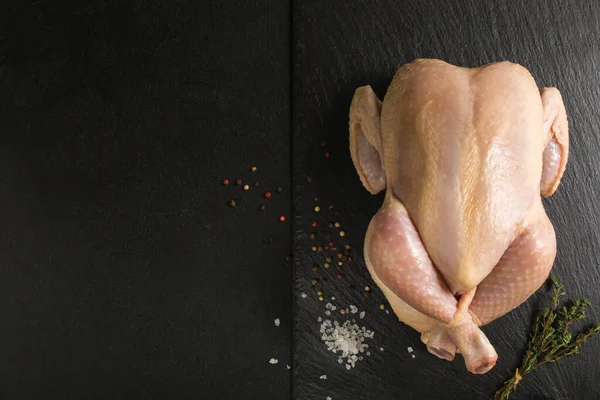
x,y
323,377
276,322
346,340
273,361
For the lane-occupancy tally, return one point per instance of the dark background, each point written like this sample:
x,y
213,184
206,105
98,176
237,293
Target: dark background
x,y
125,275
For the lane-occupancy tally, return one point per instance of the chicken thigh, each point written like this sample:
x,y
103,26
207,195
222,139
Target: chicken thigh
x,y
462,237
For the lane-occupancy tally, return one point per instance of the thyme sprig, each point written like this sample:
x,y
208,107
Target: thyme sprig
x,y
550,339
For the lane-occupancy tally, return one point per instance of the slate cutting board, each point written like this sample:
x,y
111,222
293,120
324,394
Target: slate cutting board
x,y
341,45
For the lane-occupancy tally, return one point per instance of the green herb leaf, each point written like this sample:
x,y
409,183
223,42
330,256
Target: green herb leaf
x,y
550,339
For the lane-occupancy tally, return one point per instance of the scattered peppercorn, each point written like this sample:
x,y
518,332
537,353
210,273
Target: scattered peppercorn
x,y
279,189
253,169
246,187
262,207
267,195
367,288
328,259
347,246
330,225
282,218
313,235
314,224
314,248
231,203
326,265
238,182
321,298
349,258
330,207
340,276
337,224
340,263
315,267
225,182
342,311
317,209
320,293
382,307
326,154
342,233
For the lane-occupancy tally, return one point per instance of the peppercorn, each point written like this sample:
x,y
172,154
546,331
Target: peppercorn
x,y
337,224
317,209
246,187
253,169
225,182
267,195
238,182
315,267
282,218
342,233
279,189
232,203
262,207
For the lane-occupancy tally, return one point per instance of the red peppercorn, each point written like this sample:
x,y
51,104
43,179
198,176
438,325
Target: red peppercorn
x,y
314,223
267,195
330,207
349,258
225,182
326,247
340,276
326,154
282,218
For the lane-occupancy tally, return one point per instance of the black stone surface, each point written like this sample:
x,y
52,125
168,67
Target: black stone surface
x,y
123,273
341,45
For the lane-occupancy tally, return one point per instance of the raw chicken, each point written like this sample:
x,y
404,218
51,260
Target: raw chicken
x,y
462,237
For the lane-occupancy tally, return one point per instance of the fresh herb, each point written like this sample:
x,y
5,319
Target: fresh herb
x,y
550,339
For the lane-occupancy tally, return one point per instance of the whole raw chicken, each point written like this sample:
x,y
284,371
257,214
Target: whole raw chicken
x,y
462,237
